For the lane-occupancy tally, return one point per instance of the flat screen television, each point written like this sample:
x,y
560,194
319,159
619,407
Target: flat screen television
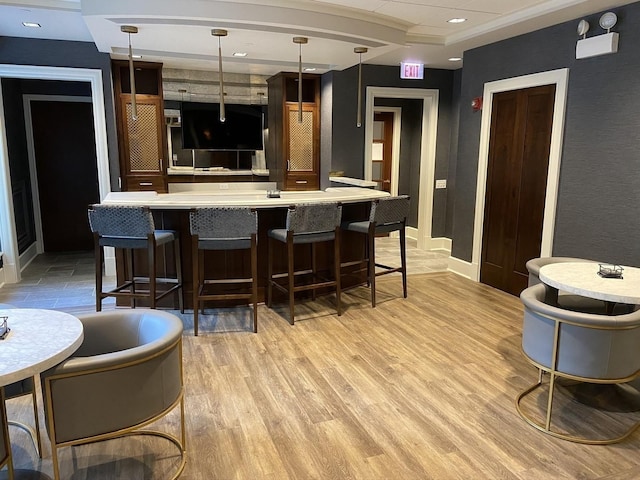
x,y
203,130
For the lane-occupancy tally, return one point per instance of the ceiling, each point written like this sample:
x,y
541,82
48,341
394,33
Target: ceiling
x,y
178,32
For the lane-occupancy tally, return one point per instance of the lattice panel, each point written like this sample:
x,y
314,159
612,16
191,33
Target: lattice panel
x,y
144,156
300,141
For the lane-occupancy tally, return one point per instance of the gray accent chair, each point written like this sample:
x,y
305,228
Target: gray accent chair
x,y
386,215
591,348
5,445
126,374
19,389
306,224
223,228
132,228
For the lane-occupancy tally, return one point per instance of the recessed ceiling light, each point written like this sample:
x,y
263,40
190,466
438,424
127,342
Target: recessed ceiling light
x,y
457,20
455,59
31,24
309,69
240,54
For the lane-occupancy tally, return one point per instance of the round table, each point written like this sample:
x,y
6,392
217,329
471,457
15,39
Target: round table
x,y
581,278
38,340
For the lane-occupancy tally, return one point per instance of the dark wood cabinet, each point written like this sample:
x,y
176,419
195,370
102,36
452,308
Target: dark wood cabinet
x,y
142,142
293,148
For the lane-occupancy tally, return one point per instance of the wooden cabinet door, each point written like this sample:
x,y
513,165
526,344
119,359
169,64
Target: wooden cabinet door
x,y
516,185
143,142
302,147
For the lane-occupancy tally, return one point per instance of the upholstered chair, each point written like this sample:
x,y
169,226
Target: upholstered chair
x,y
126,374
587,347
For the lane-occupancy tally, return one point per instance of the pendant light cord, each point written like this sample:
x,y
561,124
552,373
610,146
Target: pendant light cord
x,y
132,81
223,116
300,83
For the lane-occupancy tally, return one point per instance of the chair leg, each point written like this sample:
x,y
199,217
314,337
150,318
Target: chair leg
x,y
270,254
372,266
254,282
177,253
35,416
99,258
195,261
336,266
128,253
291,278
403,260
152,274
314,269
5,434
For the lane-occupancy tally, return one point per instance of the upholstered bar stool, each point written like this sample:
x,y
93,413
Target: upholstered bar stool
x,y
5,445
309,224
223,228
387,214
132,228
19,389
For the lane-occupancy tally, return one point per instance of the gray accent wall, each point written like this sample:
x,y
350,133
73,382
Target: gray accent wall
x,y
60,53
599,191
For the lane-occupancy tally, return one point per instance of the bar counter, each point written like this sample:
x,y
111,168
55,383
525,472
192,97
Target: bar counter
x,y
171,212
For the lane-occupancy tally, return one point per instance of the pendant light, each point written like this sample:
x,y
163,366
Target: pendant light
x,y
360,51
300,41
129,29
219,32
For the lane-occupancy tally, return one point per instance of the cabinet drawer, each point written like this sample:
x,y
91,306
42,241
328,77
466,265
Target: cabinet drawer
x,y
150,183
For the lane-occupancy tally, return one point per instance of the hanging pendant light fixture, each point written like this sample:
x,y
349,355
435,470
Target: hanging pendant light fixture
x,y
219,32
129,29
300,41
360,51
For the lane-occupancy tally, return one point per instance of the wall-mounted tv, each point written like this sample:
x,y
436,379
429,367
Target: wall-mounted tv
x,y
203,130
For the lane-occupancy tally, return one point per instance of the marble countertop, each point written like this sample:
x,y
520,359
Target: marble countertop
x,y
213,171
233,197
356,182
38,340
582,278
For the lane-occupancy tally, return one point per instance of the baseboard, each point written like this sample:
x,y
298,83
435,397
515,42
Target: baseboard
x,y
28,256
2,279
462,268
442,244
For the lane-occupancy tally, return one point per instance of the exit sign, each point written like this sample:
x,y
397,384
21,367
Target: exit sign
x,y
412,70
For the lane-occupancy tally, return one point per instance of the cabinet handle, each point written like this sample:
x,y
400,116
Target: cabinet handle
x,y
288,165
301,181
146,184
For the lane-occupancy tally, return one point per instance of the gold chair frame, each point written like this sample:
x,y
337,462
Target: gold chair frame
x,y
133,430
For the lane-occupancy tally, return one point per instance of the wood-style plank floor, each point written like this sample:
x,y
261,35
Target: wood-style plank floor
x,y
417,388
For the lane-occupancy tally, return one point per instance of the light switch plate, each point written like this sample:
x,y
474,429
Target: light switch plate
x,y
441,183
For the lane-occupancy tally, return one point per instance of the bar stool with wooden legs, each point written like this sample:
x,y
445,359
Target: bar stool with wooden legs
x,y
223,228
132,228
310,224
387,214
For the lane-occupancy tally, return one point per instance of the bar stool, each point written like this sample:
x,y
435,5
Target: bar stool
x,y
387,214
21,388
132,228
309,223
224,228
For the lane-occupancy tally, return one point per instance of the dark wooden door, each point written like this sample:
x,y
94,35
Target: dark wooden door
x,y
382,150
516,183
65,154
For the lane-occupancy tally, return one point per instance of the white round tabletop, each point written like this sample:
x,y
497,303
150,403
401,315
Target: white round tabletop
x,y
582,278
38,340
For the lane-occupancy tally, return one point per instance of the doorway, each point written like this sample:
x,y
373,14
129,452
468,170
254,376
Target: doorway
x,y
559,78
11,259
429,130
521,124
62,162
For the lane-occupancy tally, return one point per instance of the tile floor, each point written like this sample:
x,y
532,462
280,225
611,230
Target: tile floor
x,y
65,281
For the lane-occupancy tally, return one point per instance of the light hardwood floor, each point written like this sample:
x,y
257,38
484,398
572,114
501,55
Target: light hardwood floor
x,y
417,388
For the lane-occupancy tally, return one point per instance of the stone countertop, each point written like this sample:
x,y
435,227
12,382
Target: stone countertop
x,y
38,340
215,171
233,197
357,182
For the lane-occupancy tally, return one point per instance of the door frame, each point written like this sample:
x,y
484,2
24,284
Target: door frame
x,y
395,144
430,100
11,260
31,152
560,78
